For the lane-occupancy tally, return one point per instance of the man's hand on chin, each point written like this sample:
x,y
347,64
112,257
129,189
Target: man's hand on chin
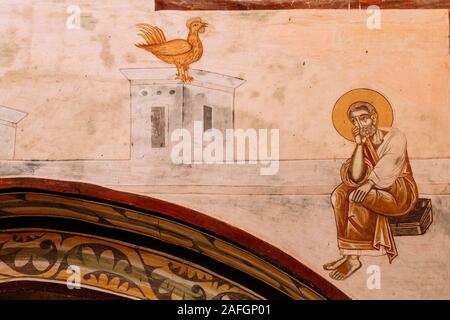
x,y
358,139
360,194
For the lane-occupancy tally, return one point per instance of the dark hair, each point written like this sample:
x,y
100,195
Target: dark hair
x,y
361,105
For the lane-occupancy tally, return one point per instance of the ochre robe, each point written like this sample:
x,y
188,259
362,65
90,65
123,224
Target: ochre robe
x,y
363,228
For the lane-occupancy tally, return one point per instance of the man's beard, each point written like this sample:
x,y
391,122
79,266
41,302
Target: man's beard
x,y
368,131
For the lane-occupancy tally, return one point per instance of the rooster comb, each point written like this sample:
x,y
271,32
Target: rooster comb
x,y
192,20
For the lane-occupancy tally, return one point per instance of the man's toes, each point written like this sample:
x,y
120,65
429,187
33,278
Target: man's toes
x,y
334,274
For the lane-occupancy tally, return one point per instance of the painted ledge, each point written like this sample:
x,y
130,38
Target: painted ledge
x,y
202,78
297,4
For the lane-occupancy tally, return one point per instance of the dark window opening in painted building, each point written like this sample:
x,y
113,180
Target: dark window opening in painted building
x,y
158,127
207,118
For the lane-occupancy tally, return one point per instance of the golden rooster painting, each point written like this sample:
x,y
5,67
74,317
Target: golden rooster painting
x,y
182,53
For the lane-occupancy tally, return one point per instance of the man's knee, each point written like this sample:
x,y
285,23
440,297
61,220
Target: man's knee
x,y
334,198
337,196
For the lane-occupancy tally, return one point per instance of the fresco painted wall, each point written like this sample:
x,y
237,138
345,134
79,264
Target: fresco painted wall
x,y
293,64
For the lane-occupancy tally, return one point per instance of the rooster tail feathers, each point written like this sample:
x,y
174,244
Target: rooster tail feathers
x,y
151,34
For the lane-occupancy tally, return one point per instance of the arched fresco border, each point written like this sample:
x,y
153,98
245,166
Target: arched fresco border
x,y
170,223
109,266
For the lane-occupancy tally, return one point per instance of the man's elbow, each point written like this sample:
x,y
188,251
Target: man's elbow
x,y
357,175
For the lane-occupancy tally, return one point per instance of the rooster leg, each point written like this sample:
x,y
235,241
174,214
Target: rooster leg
x,y
180,74
187,77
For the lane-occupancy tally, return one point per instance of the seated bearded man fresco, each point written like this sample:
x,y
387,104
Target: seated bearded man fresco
x,y
377,183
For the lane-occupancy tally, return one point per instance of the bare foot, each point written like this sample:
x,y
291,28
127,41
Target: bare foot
x,y
334,264
346,269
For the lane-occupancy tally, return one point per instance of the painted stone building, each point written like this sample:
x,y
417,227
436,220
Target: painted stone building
x,y
8,125
160,104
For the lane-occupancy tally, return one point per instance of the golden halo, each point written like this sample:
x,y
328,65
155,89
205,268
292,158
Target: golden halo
x,y
342,123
